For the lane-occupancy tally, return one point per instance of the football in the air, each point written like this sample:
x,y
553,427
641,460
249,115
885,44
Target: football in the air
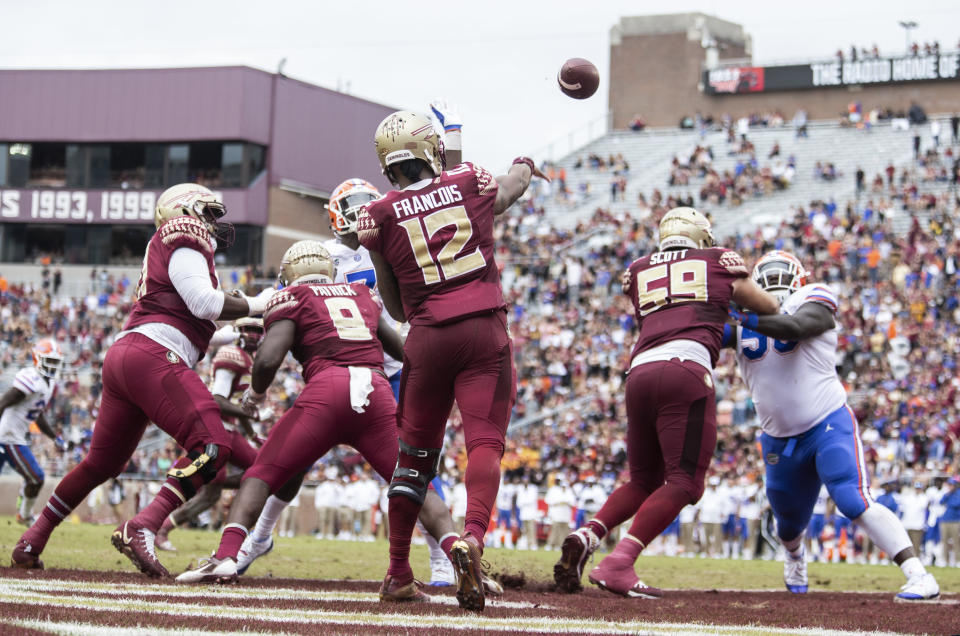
x,y
578,78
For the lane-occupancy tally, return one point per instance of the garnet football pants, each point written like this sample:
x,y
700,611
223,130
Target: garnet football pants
x,y
671,436
320,419
242,455
143,382
470,361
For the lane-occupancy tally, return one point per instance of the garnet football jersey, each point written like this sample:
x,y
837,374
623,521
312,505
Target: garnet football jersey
x,y
683,294
157,298
437,236
336,325
239,363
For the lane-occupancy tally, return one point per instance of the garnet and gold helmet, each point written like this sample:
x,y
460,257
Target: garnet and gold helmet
x,y
251,333
685,228
780,273
306,259
346,202
408,135
197,201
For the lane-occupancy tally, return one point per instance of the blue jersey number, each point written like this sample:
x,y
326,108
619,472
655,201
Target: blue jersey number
x,y
754,345
368,276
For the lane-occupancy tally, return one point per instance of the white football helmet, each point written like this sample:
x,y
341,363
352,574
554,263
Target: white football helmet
x,y
347,201
47,358
780,273
197,201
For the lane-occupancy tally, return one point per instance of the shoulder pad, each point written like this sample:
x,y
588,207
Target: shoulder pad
x,y
732,262
229,354
186,231
486,184
368,229
283,299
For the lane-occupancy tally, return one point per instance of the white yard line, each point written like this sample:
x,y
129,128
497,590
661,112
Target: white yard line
x,y
461,622
225,591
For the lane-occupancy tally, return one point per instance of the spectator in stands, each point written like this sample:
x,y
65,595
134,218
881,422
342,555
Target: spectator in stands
x,y
955,128
638,123
935,132
859,178
800,122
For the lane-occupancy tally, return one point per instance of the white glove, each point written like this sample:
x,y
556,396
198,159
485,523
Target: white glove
x,y
446,114
258,303
250,403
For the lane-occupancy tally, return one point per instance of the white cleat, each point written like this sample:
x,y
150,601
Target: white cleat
x,y
919,588
441,572
250,551
795,573
212,570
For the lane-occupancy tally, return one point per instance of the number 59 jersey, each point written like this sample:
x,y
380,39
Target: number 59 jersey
x,y
683,295
437,235
794,384
336,325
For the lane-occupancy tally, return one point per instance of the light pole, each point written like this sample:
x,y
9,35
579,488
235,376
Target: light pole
x,y
908,25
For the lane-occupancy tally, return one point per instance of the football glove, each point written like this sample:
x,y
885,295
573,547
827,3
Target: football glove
x,y
745,318
258,303
250,403
446,114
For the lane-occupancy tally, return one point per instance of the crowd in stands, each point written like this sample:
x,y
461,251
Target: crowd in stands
x,y
898,356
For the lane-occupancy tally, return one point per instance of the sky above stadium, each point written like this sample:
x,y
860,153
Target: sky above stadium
x,y
497,59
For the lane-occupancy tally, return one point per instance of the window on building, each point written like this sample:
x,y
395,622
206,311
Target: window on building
x,y
205,161
178,163
127,166
18,165
48,163
232,166
3,164
153,159
256,162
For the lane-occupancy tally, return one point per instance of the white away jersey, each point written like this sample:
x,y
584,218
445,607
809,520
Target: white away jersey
x,y
794,384
38,392
356,265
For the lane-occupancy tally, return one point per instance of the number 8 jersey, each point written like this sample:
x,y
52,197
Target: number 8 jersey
x,y
437,234
683,294
794,384
336,325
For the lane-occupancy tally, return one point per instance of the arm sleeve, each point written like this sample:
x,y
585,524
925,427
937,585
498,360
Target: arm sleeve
x,y
189,274
222,382
223,336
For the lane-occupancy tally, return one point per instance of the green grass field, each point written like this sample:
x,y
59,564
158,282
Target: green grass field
x,y
87,547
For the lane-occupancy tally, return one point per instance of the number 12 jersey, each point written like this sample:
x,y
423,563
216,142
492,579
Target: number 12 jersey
x,y
437,235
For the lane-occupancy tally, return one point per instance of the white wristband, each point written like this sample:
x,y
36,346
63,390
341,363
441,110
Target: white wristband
x,y
453,140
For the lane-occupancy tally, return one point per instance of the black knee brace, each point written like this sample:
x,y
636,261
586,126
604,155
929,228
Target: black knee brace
x,y
413,483
202,468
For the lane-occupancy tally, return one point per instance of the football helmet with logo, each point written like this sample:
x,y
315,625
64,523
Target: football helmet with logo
x,y
251,333
685,228
47,358
197,201
780,273
307,261
346,202
406,135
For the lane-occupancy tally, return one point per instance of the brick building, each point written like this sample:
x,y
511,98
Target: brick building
x,y
660,68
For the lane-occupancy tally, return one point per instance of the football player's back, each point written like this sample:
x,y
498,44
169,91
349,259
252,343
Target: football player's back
x,y
439,240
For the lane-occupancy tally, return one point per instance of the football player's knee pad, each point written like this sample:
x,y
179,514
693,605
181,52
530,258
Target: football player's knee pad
x,y
416,468
199,468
